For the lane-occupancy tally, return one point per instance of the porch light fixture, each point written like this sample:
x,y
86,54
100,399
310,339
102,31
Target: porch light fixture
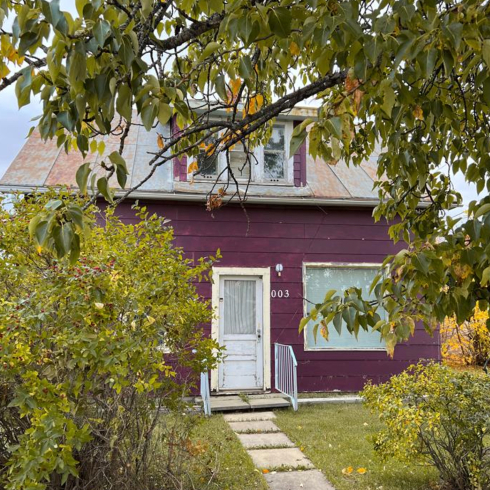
x,y
279,269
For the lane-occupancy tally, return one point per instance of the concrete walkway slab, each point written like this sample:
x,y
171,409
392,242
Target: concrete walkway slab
x,y
244,417
272,439
298,480
254,426
279,458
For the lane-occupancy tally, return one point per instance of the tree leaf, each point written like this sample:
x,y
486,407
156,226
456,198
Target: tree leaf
x,y
485,50
164,113
280,21
245,67
146,7
210,49
124,101
296,141
103,187
485,277
482,210
82,177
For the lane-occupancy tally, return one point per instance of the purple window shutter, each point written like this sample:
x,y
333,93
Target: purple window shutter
x,y
300,163
180,164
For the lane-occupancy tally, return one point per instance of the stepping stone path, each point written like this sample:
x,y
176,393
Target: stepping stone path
x,y
270,449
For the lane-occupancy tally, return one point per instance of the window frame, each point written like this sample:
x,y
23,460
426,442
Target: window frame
x,y
257,171
335,265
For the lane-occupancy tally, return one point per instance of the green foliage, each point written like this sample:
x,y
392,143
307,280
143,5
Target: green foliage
x,y
409,80
91,350
438,416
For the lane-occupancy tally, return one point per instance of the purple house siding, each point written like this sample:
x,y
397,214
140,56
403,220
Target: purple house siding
x,y
292,236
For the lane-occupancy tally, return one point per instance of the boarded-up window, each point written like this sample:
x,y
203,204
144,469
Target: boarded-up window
x,y
320,279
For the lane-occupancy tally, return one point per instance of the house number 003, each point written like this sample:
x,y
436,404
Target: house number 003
x,y
280,293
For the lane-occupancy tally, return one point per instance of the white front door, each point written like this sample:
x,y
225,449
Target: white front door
x,y
241,333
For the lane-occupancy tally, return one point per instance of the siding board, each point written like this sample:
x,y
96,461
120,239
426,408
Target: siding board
x,y
292,236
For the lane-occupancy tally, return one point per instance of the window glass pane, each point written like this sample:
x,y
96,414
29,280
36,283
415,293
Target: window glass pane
x,y
318,282
274,165
239,307
239,165
208,165
277,139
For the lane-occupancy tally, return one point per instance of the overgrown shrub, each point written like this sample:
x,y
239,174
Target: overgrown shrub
x,y
468,343
90,352
437,416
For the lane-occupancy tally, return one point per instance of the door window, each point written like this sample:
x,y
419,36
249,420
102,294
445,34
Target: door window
x,y
239,307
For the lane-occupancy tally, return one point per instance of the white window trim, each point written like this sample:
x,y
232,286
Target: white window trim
x,y
257,165
338,265
265,273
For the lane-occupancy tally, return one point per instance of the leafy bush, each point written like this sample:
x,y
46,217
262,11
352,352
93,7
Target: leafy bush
x,y
437,416
468,343
83,375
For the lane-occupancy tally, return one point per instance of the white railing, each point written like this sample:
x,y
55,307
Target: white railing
x,y
286,372
205,394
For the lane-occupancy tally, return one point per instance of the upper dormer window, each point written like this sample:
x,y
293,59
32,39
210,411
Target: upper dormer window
x,y
275,155
239,164
208,164
267,164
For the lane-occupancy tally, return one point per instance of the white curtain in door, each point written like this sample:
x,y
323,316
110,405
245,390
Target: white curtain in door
x,y
240,307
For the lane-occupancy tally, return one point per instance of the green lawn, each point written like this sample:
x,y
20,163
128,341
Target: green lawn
x,y
335,437
220,462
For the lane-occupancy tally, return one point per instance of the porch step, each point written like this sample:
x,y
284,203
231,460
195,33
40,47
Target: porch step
x,y
234,403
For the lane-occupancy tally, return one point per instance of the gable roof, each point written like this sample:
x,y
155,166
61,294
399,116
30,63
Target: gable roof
x,y
41,164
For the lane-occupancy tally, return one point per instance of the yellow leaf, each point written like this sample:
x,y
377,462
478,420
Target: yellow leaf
x,y
160,141
4,71
210,149
418,113
361,471
39,249
294,49
193,167
99,306
235,86
260,100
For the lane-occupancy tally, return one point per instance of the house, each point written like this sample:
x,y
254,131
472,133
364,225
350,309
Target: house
x,y
306,227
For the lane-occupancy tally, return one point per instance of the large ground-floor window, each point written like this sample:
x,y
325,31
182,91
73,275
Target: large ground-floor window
x,y
318,279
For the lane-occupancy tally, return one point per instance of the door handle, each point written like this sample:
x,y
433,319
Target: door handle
x,y
259,333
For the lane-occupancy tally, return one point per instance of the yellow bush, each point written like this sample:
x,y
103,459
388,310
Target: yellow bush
x,y
468,343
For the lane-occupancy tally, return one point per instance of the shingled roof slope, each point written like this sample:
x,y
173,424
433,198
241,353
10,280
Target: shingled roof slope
x,y
41,164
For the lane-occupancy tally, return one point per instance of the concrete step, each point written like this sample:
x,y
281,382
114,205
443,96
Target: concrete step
x,y
234,403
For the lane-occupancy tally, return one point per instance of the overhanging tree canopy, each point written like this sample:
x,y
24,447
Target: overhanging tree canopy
x,y
410,76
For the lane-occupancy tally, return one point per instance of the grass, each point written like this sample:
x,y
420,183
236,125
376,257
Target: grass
x,y
335,437
223,464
